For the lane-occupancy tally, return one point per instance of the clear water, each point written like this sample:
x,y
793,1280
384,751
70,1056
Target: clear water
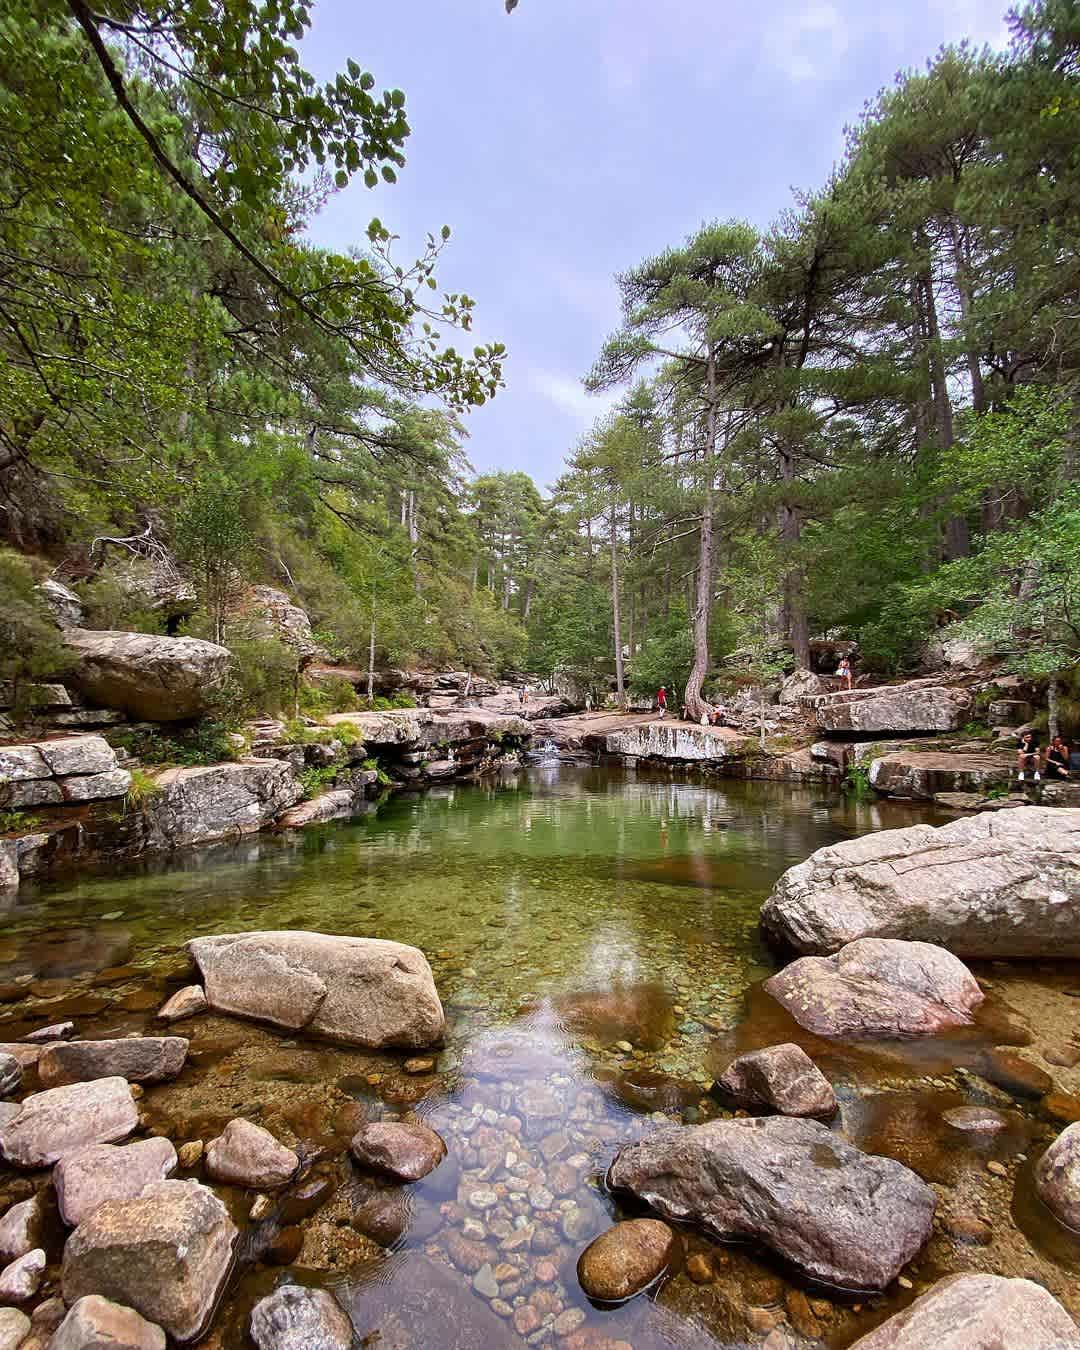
x,y
594,937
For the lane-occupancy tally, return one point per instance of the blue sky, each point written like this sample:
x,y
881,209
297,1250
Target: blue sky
x,y
569,140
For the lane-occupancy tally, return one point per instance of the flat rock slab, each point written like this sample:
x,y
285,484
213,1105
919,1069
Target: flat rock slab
x,y
402,1151
51,1124
139,1059
878,989
1003,884
86,1179
296,1318
247,1155
216,801
845,1217
922,776
355,991
626,1259
1057,1177
94,1323
893,708
978,1312
166,1254
779,1078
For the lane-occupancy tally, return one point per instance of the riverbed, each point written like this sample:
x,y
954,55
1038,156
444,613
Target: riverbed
x,y
593,934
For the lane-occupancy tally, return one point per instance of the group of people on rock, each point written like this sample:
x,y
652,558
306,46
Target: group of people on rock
x,y
1057,762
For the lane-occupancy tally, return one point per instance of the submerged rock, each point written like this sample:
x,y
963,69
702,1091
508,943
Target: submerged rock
x,y
154,678
356,991
57,1122
781,1078
978,1312
405,1152
247,1155
295,1318
878,989
626,1259
166,1254
86,1179
139,1059
1057,1177
849,1218
94,1323
1004,884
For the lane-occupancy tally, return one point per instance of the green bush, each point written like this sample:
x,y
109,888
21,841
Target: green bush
x,y
331,694
208,742
313,780
12,822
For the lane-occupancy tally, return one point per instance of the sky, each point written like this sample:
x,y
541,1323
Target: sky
x,y
571,139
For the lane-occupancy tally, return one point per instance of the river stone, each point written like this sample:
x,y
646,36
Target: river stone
x,y
626,1259
154,678
185,1002
975,1119
356,991
54,1123
88,1178
335,805
55,1031
10,1074
782,1078
25,1055
893,708
844,1217
94,1323
405,1152
22,1228
165,1253
878,989
1017,1075
296,1318
1001,884
14,1328
20,1280
247,1155
139,1059
1057,1176
978,1312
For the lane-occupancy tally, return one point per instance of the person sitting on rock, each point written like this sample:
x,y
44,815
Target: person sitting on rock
x,y
1028,758
1057,759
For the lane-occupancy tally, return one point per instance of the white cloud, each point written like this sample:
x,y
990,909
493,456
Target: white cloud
x,y
806,43
979,20
571,397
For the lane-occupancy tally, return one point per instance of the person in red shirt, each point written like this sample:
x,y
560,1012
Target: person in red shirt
x,y
661,701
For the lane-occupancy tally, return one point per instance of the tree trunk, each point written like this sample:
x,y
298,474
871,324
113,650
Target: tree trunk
x,y
796,626
620,686
371,653
526,608
1053,695
695,704
957,540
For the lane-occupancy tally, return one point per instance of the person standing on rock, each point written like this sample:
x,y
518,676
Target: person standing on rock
x,y
1028,758
843,671
1057,759
661,701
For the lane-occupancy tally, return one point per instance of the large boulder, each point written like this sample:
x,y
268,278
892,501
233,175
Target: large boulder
x,y
878,989
922,775
842,1216
51,1124
139,1059
154,678
1057,1177
217,801
779,1078
166,1253
1005,884
356,991
66,607
86,1179
893,708
801,686
978,1312
626,1259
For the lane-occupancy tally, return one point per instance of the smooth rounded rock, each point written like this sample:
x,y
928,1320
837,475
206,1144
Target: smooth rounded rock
x,y
405,1152
780,1078
86,1179
186,1002
56,1122
14,1328
975,1119
297,1318
247,1155
626,1259
20,1280
22,1228
1057,1177
95,1323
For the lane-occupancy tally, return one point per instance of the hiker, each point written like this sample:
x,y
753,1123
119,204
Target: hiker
x,y
843,671
661,701
1057,759
1028,757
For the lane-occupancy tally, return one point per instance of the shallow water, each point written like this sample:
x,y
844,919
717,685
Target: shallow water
x,y
593,934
